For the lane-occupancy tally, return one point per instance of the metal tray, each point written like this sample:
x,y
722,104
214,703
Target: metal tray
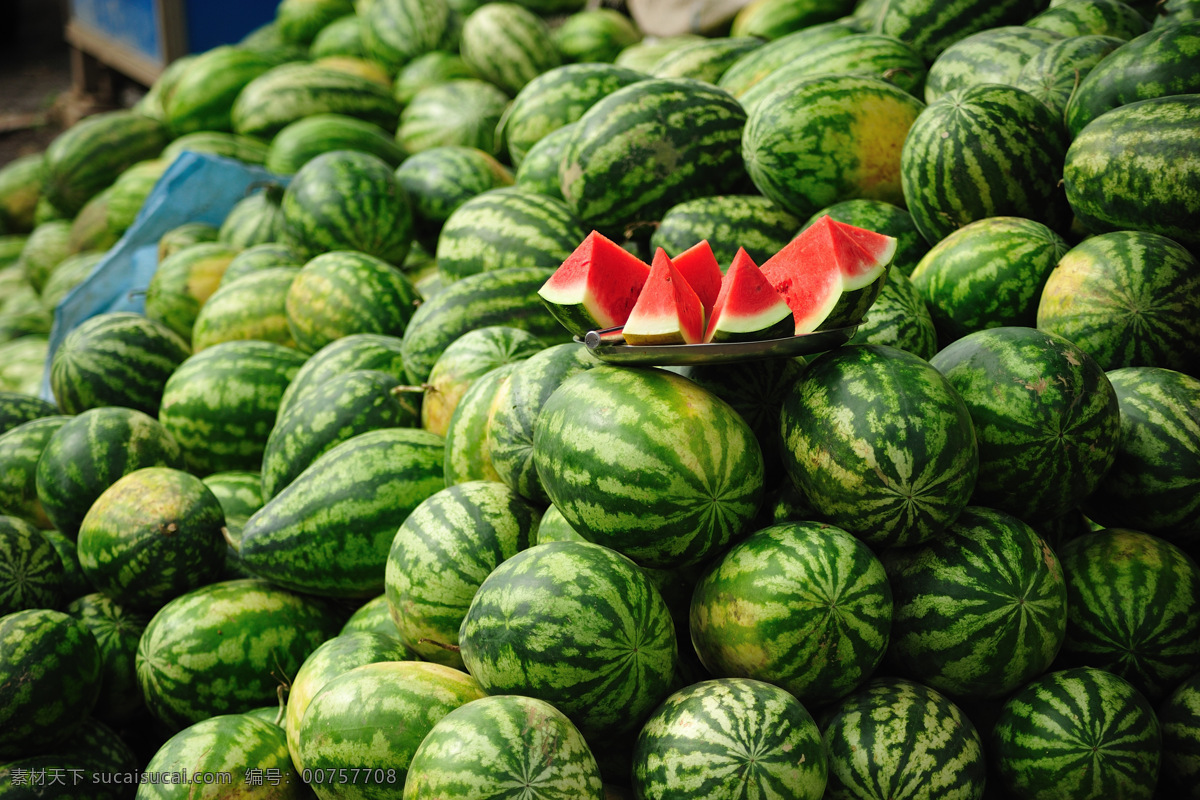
x,y
608,345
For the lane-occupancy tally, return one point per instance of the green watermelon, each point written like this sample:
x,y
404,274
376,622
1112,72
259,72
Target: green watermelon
x,y
221,143
339,37
221,403
1092,18
204,93
729,222
240,494
328,532
1052,74
770,19
299,21
17,408
595,35
356,351
642,55
580,599
301,141
1045,417
755,65
117,630
730,738
931,27
255,219
31,572
467,456
897,738
183,282
995,55
440,179
20,448
49,680
185,235
1134,608
1079,733
704,60
397,31
900,318
373,616
429,69
44,250
507,45
273,630
20,189
251,307
462,112
258,257
1179,716
90,452
73,271
289,92
347,200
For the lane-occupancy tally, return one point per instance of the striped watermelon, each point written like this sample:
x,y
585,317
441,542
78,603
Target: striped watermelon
x,y
649,146
33,575
20,448
299,21
752,222
251,307
989,635
461,112
987,274
20,189
1052,74
89,229
1126,299
558,97
185,235
90,452
240,494
1081,733
595,35
117,359
577,625
729,738
91,756
183,681
328,532
899,318
755,65
74,580
117,630
995,55
1179,716
430,69
130,191
395,32
152,536
17,408
642,55
880,444
260,256
469,357
248,149
1092,17
507,45
704,60
344,406
441,554
855,126
1120,156
770,19
334,657
23,363
44,250
1015,144
339,37
1045,417
765,611
73,271
347,200
301,141
221,403
693,495
289,92
896,738
496,297
440,179
467,455
255,219
183,282
1134,608
204,93
356,351
373,616
1152,486
49,680
492,744
931,27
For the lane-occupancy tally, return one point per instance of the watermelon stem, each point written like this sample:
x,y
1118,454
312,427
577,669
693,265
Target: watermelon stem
x,y
281,692
411,407
453,648
229,540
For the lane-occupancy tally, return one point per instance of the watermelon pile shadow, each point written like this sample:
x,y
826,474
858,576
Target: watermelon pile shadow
x,y
608,345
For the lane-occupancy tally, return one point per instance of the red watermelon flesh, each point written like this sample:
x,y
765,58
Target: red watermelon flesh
x,y
747,308
878,248
813,270
596,287
667,309
700,269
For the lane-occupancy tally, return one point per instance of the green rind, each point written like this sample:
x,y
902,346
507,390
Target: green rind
x,y
705,60
770,19
441,554
397,31
1092,18
289,92
20,449
329,532
462,112
249,307
301,141
355,351
900,318
203,96
31,572
1052,74
595,35
467,456
434,67
755,65
995,55
20,189
259,257
507,44
255,219
372,616
182,283
802,605
440,179
185,235
584,601
932,27
44,250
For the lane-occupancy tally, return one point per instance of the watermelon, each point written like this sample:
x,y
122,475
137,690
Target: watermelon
x,y
830,274
17,408
255,219
897,738
356,351
183,282
667,310
468,457
221,403
581,599
274,629
220,143
596,287
1125,298
71,272
429,69
117,630
440,179
258,257
205,92
1152,485
496,297
1134,608
395,32
932,27
1052,74
770,19
504,228
346,292
299,21
594,35
1092,17
507,45
92,756
90,452
338,37
649,146
669,499
755,65
372,616
20,448
289,92
987,274
1179,716
328,532
20,188
49,680
462,112
995,55
729,738
251,307
704,60
22,363
729,223
347,200
335,410
185,235
747,307
490,745
1080,733
44,250
1015,145
441,554
698,266
899,318
469,357
33,574
1045,417
642,55
1121,155
301,141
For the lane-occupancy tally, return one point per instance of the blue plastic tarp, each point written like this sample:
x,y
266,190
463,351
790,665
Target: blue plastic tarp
x,y
197,187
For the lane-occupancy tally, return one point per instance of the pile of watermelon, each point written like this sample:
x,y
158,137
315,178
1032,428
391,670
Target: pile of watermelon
x,y
345,511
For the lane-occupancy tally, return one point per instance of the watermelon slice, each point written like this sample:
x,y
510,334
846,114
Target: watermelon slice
x,y
667,310
596,287
830,273
747,307
700,269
